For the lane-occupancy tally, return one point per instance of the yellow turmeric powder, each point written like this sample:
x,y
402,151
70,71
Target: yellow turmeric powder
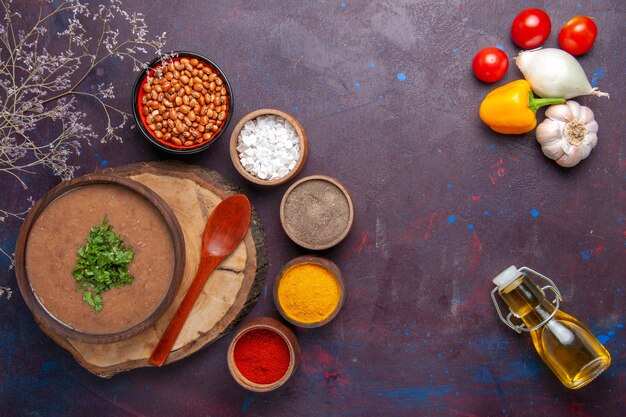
x,y
308,293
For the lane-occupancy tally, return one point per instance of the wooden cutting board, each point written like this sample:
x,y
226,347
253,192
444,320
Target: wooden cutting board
x,y
232,290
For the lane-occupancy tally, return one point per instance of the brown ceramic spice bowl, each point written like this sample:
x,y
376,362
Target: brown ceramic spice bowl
x,y
276,327
317,212
234,154
292,267
60,223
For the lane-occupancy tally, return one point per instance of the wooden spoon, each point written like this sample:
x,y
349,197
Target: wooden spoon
x,y
225,229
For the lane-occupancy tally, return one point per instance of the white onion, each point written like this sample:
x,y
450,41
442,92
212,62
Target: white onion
x,y
555,73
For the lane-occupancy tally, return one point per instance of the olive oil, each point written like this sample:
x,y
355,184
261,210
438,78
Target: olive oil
x,y
569,349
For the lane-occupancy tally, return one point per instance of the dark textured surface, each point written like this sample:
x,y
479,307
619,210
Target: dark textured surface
x,y
385,94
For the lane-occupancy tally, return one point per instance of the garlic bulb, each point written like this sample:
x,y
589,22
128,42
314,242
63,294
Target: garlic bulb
x,y
568,134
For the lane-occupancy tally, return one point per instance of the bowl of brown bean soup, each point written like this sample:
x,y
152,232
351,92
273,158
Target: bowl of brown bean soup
x,y
182,104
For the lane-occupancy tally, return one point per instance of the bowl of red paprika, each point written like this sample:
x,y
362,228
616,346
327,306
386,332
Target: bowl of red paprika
x,y
263,355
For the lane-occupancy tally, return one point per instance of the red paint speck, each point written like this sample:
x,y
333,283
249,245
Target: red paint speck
x,y
422,224
497,164
498,171
598,249
317,362
331,375
431,221
362,241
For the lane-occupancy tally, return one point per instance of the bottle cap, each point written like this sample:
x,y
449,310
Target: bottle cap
x,y
507,276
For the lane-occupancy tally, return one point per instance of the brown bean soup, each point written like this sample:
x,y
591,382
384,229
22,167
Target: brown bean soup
x,y
64,226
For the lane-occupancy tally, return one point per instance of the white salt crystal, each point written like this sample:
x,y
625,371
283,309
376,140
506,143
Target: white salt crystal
x,y
268,147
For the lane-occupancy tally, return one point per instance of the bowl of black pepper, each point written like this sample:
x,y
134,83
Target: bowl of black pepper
x,y
182,103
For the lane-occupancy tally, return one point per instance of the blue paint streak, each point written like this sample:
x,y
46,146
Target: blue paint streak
x,y
603,339
449,185
357,85
486,213
455,50
295,108
585,254
401,76
247,402
534,213
418,393
104,162
492,146
343,6
451,219
470,227
597,76
97,155
485,376
500,47
407,333
611,333
620,325
458,394
372,65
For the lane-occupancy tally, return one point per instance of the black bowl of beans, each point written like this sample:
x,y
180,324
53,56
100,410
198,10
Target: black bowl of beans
x,y
182,104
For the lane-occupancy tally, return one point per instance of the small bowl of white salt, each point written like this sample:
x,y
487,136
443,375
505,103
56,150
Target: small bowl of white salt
x,y
268,147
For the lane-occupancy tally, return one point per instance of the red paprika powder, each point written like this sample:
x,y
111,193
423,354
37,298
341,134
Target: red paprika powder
x,y
262,356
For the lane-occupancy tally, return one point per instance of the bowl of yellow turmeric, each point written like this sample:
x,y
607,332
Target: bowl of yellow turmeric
x,y
309,291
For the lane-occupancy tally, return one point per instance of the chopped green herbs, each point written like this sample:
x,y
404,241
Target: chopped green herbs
x,y
102,264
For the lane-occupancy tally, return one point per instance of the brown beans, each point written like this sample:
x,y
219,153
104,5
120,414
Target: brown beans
x,y
187,105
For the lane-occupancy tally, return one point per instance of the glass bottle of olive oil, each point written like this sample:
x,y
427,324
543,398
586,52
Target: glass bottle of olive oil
x,y
571,351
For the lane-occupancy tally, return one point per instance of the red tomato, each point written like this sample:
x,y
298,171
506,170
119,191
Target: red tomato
x,y
490,64
530,28
578,35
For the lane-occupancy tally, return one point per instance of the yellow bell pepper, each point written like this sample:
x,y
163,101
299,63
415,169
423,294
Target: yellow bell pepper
x,y
511,109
